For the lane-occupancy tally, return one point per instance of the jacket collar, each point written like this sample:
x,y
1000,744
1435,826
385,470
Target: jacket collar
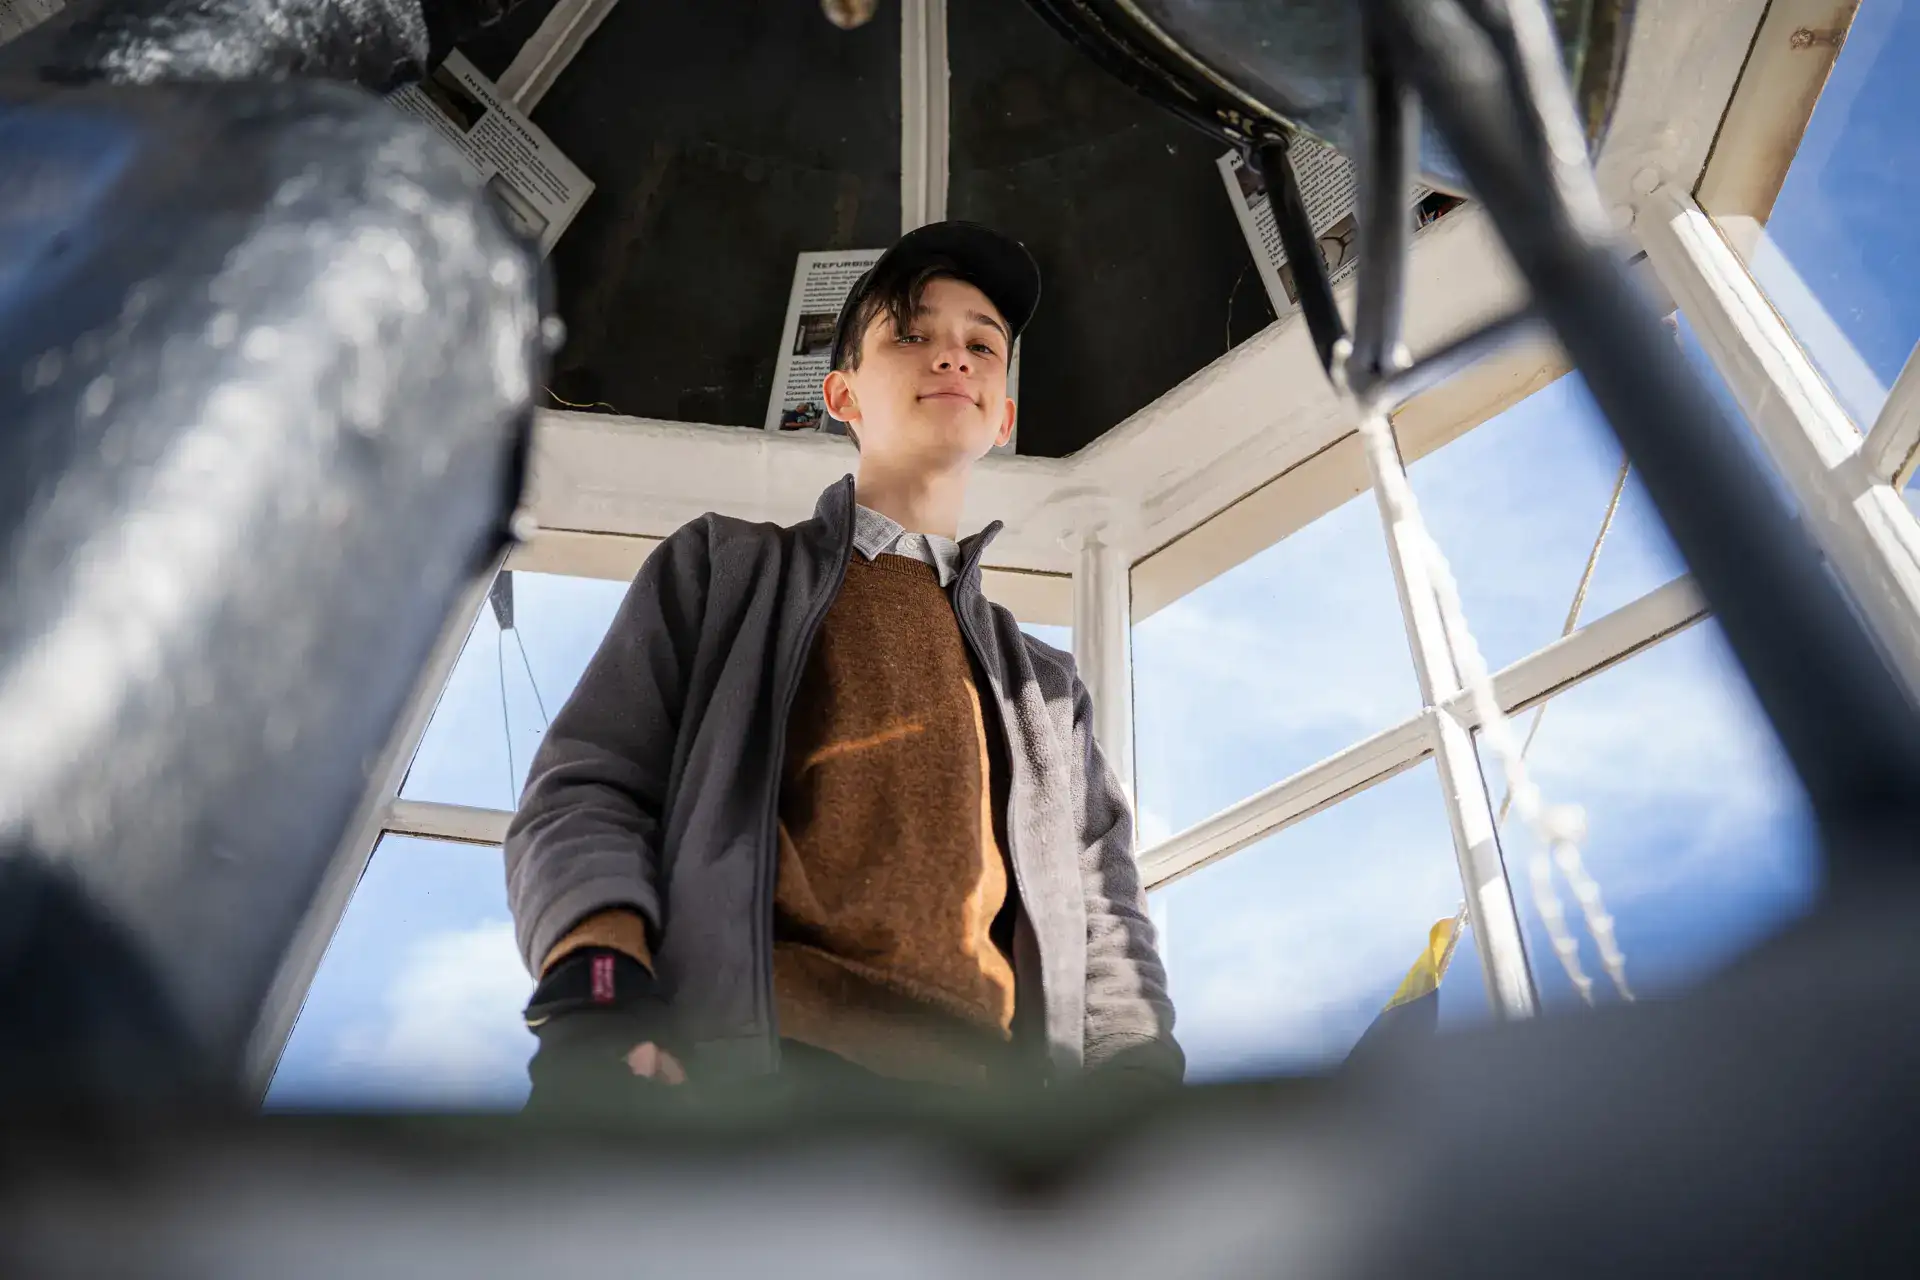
x,y
834,515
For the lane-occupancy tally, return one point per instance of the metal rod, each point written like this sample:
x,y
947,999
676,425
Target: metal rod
x,y
1436,367
1389,123
1843,718
1303,250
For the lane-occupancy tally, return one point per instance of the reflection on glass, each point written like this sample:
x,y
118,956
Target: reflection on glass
x,y
527,650
417,1002
1281,955
1278,662
1517,504
1698,833
1840,259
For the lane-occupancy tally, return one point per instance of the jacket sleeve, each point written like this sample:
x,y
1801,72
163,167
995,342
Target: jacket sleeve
x,y
1129,1015
587,835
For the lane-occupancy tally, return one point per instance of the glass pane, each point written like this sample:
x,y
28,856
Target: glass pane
x,y
1698,832
1516,505
417,1002
1280,956
1059,637
1273,665
506,685
1840,259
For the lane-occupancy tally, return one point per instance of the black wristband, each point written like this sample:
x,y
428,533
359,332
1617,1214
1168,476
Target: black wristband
x,y
594,978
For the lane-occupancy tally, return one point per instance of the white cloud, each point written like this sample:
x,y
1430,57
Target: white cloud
x,y
450,1032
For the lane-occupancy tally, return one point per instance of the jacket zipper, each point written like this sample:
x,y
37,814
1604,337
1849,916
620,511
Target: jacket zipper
x,y
769,844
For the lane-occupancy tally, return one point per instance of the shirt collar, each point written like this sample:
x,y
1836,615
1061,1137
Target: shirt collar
x,y
876,535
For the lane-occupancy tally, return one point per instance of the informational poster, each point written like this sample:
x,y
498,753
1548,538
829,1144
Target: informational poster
x,y
821,283
535,185
18,15
1328,189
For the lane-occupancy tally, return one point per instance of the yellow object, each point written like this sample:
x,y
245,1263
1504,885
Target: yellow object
x,y
1424,978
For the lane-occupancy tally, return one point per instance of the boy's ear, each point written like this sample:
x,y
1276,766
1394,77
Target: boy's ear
x,y
837,391
1006,426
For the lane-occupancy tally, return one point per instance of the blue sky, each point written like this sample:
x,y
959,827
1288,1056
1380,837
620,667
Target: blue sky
x,y
1280,955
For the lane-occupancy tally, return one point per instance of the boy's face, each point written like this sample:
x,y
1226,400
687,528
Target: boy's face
x,y
934,397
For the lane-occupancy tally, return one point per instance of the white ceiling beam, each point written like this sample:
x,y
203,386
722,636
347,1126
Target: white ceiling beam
x,y
1566,662
1045,598
923,113
462,823
548,51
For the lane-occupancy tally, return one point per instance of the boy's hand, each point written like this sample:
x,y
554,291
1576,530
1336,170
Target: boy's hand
x,y
600,1024
649,1061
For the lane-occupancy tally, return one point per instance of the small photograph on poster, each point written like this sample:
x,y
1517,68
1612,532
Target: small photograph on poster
x,y
814,335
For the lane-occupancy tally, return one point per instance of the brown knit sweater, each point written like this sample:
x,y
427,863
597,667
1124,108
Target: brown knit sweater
x,y
891,910
891,874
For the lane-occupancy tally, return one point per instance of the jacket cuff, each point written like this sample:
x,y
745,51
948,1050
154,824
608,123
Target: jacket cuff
x,y
616,929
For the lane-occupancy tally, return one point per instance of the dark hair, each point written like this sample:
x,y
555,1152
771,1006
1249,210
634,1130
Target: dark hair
x,y
897,296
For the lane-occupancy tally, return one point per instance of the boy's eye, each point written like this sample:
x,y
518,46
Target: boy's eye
x,y
985,348
911,337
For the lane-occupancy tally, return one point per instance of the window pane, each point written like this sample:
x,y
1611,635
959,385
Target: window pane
x,y
1698,832
417,1002
1281,955
507,684
1059,637
1840,259
1516,505
1275,664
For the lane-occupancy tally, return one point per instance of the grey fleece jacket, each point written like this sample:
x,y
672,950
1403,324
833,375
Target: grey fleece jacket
x,y
657,789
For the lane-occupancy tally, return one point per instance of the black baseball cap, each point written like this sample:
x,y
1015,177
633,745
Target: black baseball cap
x,y
997,265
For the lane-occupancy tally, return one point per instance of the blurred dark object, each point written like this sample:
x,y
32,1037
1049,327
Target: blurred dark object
x,y
1763,1127
1258,71
374,43
266,365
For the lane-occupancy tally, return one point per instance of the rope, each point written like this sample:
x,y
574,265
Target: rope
x,y
1558,828
1573,613
506,722
537,699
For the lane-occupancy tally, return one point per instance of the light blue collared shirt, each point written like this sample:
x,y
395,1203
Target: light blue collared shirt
x,y
877,535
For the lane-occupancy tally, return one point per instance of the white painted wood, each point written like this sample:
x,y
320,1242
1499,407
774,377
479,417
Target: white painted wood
x,y
1866,530
1103,647
1559,666
1892,450
923,113
458,822
1463,788
548,51
1033,597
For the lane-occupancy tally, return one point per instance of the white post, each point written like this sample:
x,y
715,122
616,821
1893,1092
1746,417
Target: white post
x,y
548,51
1463,789
1103,646
923,113
1868,534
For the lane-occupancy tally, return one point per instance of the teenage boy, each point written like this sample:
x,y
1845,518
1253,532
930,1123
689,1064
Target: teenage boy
x,y
817,806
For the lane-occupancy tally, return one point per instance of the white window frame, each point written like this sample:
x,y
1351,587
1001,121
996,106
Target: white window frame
x,y
1255,446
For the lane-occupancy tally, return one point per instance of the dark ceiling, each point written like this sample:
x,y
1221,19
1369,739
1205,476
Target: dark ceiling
x,y
728,136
